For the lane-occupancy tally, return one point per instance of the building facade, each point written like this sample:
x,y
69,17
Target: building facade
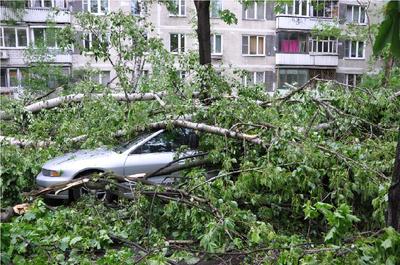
x,y
274,45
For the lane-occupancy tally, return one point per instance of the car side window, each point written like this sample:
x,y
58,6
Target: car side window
x,y
167,141
158,144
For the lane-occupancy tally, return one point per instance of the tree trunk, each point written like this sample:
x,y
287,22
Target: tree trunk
x,y
203,30
393,219
74,98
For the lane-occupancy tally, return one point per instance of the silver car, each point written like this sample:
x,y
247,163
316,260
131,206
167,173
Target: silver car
x,y
144,154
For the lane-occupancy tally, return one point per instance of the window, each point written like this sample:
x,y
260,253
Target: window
x,y
95,6
356,14
255,10
167,141
323,8
215,8
296,77
13,37
12,77
89,40
254,78
216,44
353,79
253,45
102,78
181,74
3,77
297,8
323,45
42,3
354,49
135,7
177,42
45,36
179,8
292,42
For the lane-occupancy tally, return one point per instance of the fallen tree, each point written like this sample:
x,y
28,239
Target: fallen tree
x,y
75,98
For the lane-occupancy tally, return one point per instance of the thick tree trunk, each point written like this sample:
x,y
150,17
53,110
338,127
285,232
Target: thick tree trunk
x,y
203,30
394,192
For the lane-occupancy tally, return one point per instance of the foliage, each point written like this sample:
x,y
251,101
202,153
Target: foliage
x,y
255,207
389,30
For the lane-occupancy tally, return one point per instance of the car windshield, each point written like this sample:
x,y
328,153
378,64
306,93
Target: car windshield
x,y
125,146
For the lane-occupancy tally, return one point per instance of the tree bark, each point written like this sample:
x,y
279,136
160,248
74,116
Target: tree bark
x,y
203,30
393,219
209,129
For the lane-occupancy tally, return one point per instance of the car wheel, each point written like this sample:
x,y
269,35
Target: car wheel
x,y
77,192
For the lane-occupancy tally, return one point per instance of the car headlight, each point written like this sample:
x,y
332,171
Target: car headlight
x,y
51,173
55,173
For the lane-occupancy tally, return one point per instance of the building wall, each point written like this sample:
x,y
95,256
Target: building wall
x,y
232,57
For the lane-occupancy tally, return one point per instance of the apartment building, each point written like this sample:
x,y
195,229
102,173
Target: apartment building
x,y
273,47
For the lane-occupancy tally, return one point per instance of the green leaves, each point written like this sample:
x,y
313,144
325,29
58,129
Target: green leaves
x,y
389,30
340,220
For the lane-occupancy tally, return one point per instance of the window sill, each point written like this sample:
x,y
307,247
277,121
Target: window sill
x,y
348,58
254,19
177,16
253,55
356,23
304,53
302,16
323,54
14,48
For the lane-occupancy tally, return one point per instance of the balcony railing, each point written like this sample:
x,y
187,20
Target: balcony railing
x,y
301,22
306,59
36,14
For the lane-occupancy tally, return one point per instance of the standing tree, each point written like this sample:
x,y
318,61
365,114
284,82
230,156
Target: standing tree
x,y
203,31
389,33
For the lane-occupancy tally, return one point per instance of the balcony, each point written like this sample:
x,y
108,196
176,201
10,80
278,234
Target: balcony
x,y
301,22
16,57
311,59
37,15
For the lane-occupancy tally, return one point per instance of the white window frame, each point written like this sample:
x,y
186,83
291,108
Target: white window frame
x,y
179,43
316,11
99,11
45,38
41,4
99,77
256,7
355,84
348,56
359,14
248,45
306,2
181,9
2,44
90,35
213,44
221,5
314,48
254,79
19,77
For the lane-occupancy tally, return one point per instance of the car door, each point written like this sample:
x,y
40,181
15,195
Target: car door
x,y
151,155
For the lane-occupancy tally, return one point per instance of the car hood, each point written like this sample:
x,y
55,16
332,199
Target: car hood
x,y
81,156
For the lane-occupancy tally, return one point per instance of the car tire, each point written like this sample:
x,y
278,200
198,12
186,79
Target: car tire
x,y
76,193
